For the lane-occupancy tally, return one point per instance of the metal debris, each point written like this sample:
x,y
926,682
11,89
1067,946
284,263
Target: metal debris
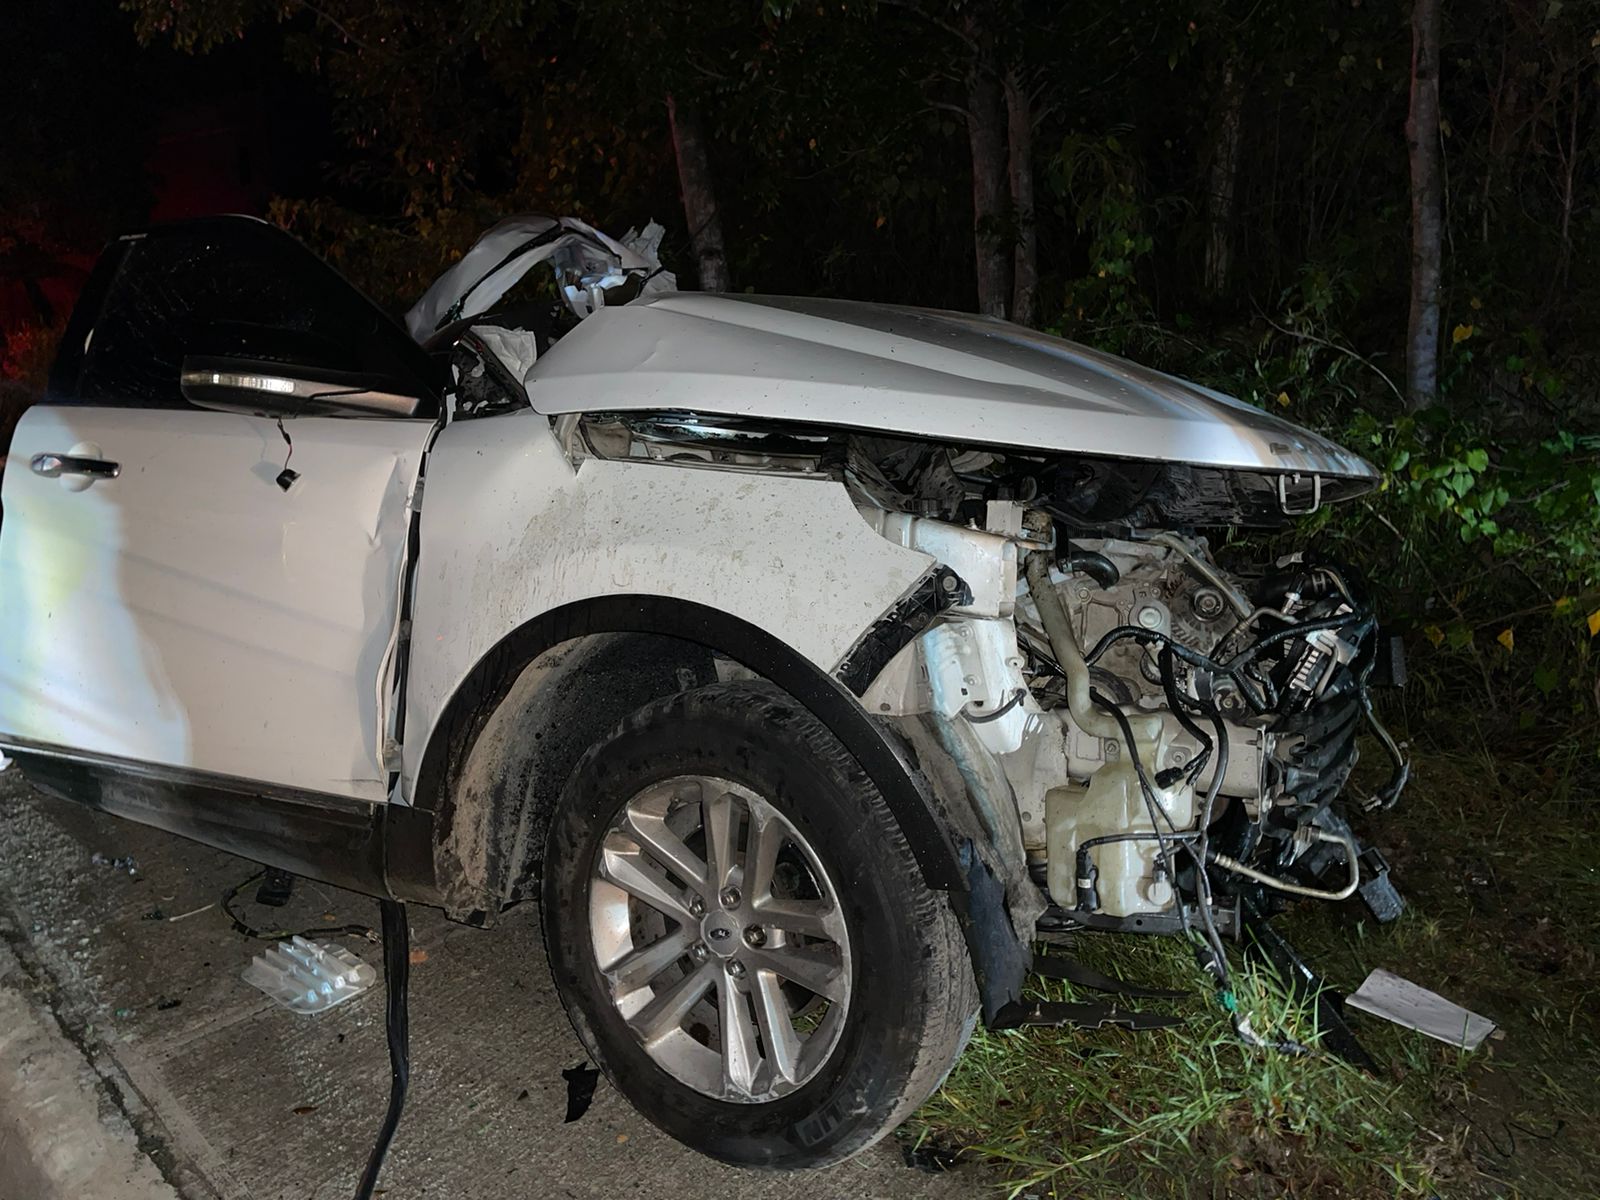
x,y
1387,995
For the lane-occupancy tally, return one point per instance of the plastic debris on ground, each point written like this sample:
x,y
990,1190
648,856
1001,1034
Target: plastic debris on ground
x,y
124,863
309,977
581,1081
1387,995
931,1158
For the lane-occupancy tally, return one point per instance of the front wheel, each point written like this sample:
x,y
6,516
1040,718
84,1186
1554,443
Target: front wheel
x,y
741,936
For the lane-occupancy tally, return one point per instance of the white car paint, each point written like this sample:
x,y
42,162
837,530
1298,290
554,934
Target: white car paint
x,y
511,530
191,613
909,371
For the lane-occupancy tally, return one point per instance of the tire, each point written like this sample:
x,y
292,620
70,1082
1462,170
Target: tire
x,y
894,994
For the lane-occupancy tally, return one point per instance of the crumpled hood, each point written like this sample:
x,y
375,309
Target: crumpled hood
x,y
586,263
910,372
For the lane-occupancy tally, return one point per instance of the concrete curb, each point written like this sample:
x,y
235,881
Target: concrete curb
x,y
60,1135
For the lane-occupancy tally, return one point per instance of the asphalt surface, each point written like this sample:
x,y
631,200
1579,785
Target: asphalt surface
x,y
233,1097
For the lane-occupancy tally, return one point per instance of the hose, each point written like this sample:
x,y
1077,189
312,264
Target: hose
x,y
1207,572
1016,698
1069,656
1093,564
1298,889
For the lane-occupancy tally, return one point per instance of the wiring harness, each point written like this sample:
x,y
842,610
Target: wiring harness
x,y
1298,663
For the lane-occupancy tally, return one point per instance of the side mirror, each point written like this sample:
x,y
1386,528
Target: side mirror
x,y
260,388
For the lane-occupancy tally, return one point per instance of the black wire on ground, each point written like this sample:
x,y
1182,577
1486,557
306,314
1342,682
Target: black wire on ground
x,y
241,926
396,977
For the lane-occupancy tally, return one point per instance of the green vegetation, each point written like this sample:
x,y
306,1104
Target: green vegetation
x,y
1505,919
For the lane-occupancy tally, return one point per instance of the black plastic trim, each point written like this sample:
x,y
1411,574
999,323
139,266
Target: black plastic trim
x,y
939,589
380,849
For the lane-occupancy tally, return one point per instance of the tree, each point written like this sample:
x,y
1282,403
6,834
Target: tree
x,y
1427,216
1222,175
693,152
1020,116
986,135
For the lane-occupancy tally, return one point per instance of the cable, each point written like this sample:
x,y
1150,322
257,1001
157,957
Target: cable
x,y
1169,685
241,926
1261,703
1389,794
1157,813
396,978
1016,699
1209,952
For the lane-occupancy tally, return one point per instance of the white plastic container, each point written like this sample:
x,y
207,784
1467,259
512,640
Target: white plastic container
x,y
309,977
1111,804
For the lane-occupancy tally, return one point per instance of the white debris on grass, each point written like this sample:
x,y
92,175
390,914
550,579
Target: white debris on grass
x,y
1387,995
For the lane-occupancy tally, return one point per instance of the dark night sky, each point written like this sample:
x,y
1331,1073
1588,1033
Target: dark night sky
x,y
236,123
113,135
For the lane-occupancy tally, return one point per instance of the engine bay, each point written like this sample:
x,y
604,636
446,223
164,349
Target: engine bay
x,y
1175,734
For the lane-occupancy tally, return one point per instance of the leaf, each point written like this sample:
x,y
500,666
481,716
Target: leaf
x,y
1478,460
1508,639
1283,399
1594,623
1434,634
1460,334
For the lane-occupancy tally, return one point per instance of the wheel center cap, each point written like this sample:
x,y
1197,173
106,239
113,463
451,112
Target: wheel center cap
x,y
720,932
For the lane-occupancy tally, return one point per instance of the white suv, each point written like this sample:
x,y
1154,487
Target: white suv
x,y
807,659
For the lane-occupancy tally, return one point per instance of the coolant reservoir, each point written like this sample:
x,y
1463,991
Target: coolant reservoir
x,y
1111,804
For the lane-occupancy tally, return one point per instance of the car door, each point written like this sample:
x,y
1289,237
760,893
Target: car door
x,y
214,592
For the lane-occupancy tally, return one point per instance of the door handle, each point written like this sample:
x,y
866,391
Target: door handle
x,y
54,466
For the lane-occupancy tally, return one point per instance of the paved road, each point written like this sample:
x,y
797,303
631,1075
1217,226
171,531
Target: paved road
x,y
236,1098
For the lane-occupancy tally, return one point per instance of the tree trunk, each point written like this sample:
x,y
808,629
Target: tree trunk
x,y
986,131
1221,177
691,145
1427,217
1025,254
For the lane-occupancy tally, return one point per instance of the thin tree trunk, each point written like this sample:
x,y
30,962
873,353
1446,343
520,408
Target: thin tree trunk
x,y
986,131
1427,220
1222,178
1569,163
1025,254
692,147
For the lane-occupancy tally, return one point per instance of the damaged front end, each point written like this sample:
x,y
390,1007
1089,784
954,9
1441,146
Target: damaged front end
x,y
1144,740
1119,729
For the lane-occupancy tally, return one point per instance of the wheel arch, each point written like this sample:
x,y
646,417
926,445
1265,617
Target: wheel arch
x,y
607,656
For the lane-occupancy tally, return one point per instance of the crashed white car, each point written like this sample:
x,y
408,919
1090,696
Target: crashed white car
x,y
810,661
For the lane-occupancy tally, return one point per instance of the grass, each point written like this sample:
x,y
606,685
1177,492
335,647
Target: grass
x,y
1499,866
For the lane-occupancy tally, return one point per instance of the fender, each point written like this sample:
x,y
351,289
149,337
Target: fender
x,y
878,751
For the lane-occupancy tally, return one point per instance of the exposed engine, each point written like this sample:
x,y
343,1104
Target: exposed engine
x,y
1173,736
1208,718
